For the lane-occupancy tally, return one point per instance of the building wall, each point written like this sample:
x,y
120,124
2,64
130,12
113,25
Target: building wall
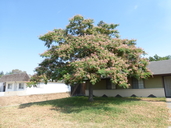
x,y
1,87
15,86
154,82
99,85
158,92
152,86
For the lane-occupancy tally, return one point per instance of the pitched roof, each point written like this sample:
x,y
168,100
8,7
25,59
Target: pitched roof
x,y
160,67
15,77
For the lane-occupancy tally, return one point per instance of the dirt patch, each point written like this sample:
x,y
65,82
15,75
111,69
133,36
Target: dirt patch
x,y
13,100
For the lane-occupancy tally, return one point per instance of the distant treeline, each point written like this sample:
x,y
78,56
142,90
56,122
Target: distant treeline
x,y
158,58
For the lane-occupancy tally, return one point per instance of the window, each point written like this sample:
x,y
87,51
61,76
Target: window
x,y
137,84
9,86
21,85
110,85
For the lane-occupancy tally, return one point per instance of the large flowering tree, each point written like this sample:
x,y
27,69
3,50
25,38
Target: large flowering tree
x,y
83,51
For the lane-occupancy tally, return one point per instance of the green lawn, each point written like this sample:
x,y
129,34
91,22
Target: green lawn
x,y
77,112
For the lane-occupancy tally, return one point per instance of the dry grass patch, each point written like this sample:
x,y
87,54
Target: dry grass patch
x,y
14,100
78,112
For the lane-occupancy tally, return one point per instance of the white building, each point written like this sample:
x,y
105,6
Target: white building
x,y
15,84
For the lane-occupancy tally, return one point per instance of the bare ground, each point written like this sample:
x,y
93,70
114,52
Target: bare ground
x,y
15,100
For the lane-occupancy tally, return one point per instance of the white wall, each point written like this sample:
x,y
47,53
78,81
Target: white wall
x,y
48,88
8,90
2,93
158,92
15,86
1,87
40,89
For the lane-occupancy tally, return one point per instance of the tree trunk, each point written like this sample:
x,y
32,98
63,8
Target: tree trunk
x,y
90,92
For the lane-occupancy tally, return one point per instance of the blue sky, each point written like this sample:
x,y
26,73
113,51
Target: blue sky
x,y
23,21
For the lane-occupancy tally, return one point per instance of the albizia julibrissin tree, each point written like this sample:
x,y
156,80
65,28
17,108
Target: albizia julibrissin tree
x,y
83,51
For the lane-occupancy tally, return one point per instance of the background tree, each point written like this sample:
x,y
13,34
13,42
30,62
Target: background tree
x,y
158,58
15,71
83,51
1,73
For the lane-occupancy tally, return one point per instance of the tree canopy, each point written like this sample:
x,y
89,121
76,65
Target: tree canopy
x,y
83,51
158,58
15,71
1,73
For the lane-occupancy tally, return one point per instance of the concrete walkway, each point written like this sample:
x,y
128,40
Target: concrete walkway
x,y
168,102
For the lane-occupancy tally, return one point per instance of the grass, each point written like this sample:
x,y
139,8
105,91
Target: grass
x,y
78,112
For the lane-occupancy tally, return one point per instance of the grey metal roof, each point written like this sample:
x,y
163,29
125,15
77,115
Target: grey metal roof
x,y
160,67
15,77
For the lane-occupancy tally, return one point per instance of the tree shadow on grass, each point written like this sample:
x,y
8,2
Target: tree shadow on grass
x,y
81,103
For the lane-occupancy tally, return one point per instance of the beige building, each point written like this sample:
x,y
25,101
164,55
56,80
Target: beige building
x,y
158,85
